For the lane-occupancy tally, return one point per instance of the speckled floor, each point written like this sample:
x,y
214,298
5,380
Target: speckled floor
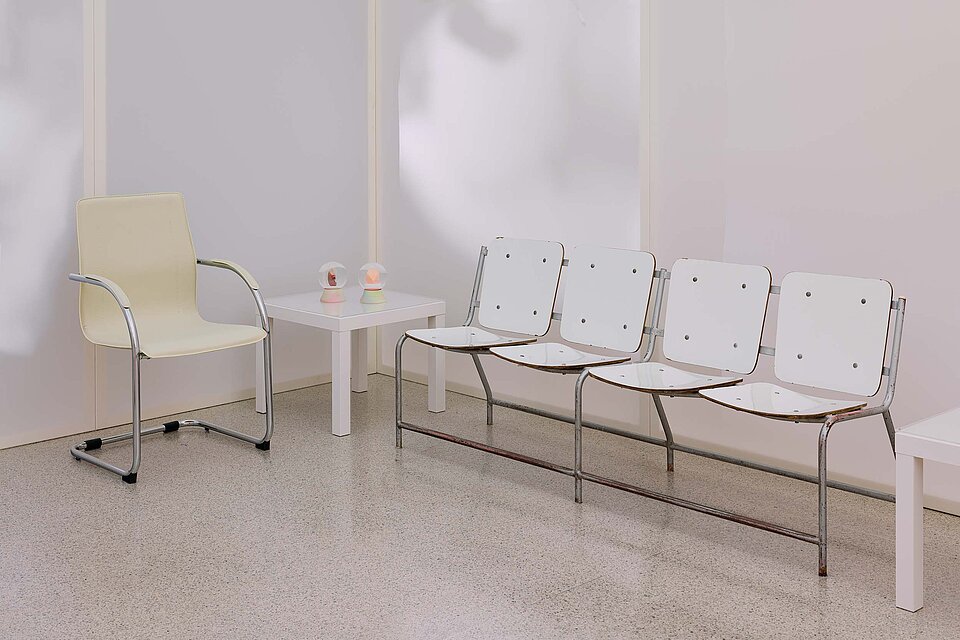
x,y
327,537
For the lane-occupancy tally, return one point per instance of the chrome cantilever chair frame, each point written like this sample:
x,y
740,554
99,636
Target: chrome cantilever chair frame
x,y
129,475
890,369
661,276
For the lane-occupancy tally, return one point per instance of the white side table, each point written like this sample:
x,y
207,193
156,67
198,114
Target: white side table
x,y
348,321
938,439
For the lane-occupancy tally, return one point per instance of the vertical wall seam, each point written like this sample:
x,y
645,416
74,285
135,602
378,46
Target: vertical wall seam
x,y
94,130
646,124
373,161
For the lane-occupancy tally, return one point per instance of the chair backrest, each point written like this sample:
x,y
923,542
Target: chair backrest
x,y
605,297
832,332
141,242
519,288
715,314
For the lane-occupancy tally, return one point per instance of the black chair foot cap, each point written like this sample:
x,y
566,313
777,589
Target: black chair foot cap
x,y
263,446
130,478
171,426
92,444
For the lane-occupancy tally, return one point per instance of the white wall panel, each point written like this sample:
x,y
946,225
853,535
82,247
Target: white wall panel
x,y
815,136
841,157
257,113
45,384
506,118
687,129
804,136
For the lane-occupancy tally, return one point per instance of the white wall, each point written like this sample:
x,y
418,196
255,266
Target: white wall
x,y
823,139
45,382
514,118
259,117
810,135
805,136
842,158
687,115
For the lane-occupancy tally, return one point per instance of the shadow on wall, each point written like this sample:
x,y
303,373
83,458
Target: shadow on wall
x,y
41,177
470,26
512,119
474,29
41,165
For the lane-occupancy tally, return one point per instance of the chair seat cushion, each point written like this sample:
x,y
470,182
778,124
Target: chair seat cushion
x,y
654,377
463,338
170,335
553,356
765,399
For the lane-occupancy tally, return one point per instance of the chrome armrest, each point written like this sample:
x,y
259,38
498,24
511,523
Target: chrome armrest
x,y
232,266
106,283
114,289
249,280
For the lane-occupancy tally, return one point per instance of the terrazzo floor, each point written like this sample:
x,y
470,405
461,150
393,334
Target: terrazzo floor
x,y
326,537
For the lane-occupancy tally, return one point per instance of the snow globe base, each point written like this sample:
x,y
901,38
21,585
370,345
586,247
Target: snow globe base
x,y
372,296
332,295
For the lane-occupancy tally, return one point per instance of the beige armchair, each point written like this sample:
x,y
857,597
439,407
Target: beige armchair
x,y
138,269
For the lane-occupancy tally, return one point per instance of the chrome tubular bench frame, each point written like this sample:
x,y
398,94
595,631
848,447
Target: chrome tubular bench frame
x,y
898,306
662,275
129,475
668,442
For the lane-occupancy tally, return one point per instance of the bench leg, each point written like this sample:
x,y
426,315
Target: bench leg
x,y
822,494
398,379
666,430
486,387
578,437
891,431
909,532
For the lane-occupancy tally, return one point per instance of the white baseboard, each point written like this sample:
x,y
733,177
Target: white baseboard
x,y
173,408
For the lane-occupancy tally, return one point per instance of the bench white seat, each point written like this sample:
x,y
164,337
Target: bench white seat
x,y
464,338
655,377
774,401
554,356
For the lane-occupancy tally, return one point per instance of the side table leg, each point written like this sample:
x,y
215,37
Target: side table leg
x,y
909,532
358,364
340,354
436,372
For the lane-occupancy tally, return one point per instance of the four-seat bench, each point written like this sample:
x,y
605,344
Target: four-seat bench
x,y
834,334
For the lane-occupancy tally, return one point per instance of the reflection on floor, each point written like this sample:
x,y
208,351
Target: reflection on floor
x,y
326,537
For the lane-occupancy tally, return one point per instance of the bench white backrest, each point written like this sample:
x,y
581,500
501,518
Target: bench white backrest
x,y
832,332
605,297
519,288
715,314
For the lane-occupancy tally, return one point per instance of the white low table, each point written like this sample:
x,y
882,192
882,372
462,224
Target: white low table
x,y
348,321
938,439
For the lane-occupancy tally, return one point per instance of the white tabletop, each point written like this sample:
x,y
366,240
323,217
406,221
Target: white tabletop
x,y
936,438
306,309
